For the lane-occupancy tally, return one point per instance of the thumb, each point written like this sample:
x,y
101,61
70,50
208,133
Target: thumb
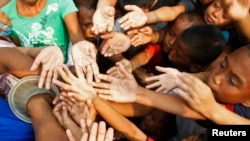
x,y
132,8
110,11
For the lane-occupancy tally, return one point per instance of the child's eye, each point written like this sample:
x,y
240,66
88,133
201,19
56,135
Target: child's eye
x,y
170,32
224,16
233,81
222,65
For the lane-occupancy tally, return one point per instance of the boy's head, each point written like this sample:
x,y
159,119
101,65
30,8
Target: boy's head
x,y
215,14
85,15
197,47
145,5
158,123
175,28
230,79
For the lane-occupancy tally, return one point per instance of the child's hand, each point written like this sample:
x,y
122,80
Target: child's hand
x,y
196,93
103,20
163,82
236,9
50,58
140,36
84,58
117,89
115,71
114,43
134,18
75,84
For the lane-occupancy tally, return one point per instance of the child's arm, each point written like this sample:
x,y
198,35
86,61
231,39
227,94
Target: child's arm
x,y
159,15
118,122
200,97
137,18
3,2
140,59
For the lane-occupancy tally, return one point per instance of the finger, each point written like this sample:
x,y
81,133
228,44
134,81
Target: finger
x,y
76,96
124,72
159,89
36,63
101,131
89,74
101,85
83,125
68,72
42,78
109,135
70,135
93,132
123,19
126,25
102,91
64,76
48,79
62,85
107,35
79,72
85,137
106,77
55,74
182,83
107,97
95,70
162,69
184,95
105,48
111,70
132,31
153,85
152,78
56,100
110,27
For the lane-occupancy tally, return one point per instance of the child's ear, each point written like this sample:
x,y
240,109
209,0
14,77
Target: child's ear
x,y
246,103
194,68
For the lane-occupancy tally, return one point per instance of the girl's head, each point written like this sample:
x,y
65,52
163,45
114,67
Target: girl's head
x,y
215,14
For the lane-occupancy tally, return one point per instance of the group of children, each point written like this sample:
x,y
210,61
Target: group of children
x,y
112,48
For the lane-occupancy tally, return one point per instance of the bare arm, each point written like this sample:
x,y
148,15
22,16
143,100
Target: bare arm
x,y
3,2
159,15
102,3
73,27
118,122
139,60
166,102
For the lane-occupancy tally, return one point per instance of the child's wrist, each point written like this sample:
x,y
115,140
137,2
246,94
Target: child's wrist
x,y
154,37
152,17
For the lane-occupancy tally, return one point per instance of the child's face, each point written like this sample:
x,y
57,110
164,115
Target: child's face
x,y
85,19
230,80
178,55
173,31
216,15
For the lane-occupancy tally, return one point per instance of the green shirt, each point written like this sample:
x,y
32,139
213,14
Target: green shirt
x,y
45,29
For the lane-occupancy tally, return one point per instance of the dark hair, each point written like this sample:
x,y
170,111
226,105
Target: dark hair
x,y
88,4
140,3
191,17
205,43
